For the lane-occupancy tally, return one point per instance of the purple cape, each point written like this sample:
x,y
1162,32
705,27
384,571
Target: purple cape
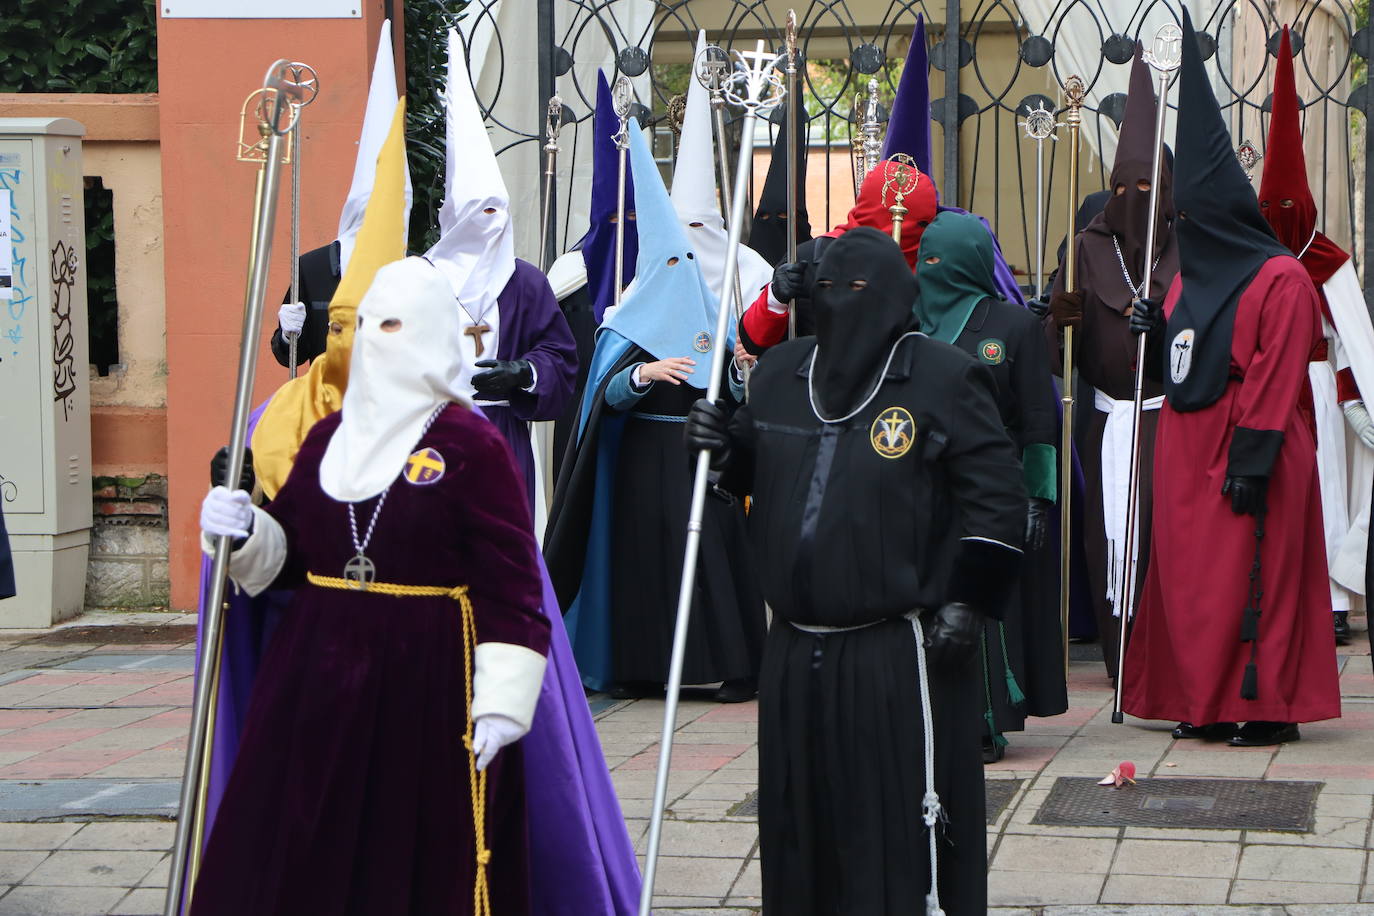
x,y
581,857
533,328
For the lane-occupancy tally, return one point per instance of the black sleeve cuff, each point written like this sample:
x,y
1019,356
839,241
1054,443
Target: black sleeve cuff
x,y
1253,452
748,343
984,572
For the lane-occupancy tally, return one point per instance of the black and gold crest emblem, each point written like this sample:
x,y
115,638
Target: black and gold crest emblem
x,y
992,351
893,433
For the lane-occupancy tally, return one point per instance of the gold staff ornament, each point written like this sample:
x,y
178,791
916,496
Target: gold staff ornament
x,y
902,180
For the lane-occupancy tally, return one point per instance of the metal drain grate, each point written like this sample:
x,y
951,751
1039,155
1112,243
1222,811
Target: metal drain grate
x,y
1000,792
1220,804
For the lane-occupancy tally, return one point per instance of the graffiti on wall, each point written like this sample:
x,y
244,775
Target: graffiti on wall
x,y
64,268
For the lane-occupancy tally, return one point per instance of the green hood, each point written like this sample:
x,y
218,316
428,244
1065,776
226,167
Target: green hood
x,y
962,278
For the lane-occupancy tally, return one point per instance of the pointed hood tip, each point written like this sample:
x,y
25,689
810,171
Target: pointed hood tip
x,y
908,126
694,172
382,99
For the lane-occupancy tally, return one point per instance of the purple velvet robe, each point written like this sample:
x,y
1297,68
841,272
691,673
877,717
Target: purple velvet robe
x,y
351,761
581,858
533,328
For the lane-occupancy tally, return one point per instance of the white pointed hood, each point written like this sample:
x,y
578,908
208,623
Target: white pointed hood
x,y
476,247
397,378
382,99
694,197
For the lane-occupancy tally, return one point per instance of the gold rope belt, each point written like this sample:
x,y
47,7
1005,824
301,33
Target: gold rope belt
x,y
477,781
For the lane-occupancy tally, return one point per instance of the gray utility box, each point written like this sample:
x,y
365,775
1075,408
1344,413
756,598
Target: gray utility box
x,y
45,387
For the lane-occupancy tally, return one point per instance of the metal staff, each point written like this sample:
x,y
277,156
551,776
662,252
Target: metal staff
x,y
554,122
904,179
757,88
622,95
866,145
1074,90
1040,126
794,119
1164,57
712,69
303,76
278,113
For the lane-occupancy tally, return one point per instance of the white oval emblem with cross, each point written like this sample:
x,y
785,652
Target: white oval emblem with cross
x,y
1181,355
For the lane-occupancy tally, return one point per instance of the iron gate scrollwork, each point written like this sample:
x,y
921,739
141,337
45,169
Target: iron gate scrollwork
x,y
1003,56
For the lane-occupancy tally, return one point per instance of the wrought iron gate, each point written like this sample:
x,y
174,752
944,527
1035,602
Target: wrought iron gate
x,y
1004,53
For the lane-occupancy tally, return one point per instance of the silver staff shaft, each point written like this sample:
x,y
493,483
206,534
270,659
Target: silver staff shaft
x,y
1074,90
793,119
703,466
723,158
622,96
191,813
555,115
1126,581
294,337
1040,218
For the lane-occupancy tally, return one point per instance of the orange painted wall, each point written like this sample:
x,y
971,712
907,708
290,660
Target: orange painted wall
x,y
206,67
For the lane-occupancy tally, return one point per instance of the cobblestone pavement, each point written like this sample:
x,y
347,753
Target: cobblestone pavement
x,y
93,720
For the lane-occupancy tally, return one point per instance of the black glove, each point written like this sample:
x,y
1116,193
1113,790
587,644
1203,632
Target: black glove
x,y
952,634
1039,307
1037,522
708,427
1067,309
1247,494
1146,315
219,470
502,377
788,280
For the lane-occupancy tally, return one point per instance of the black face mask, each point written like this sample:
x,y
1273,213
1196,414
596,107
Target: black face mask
x,y
863,302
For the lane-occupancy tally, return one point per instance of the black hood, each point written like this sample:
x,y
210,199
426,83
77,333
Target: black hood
x,y
768,232
1223,241
863,301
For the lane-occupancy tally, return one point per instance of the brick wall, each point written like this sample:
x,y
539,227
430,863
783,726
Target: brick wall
x,y
128,565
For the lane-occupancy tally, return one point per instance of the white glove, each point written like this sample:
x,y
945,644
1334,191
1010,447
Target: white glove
x,y
1358,418
227,512
492,732
291,318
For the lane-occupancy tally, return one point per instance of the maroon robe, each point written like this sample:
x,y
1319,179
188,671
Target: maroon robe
x,y
350,793
1185,660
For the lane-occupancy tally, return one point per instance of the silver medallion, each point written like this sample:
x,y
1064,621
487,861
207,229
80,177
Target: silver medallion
x,y
360,572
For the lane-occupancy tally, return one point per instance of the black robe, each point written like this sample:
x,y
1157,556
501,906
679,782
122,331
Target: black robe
x,y
7,589
577,310
1027,645
650,498
320,273
855,524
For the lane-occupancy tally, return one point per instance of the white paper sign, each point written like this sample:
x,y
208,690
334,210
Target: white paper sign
x,y
6,248
261,9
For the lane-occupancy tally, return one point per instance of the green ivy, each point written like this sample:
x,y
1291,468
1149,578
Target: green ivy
x,y
426,27
78,46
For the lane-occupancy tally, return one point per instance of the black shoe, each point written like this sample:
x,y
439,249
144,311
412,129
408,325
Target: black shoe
x,y
739,690
1264,734
992,750
634,690
1217,731
1342,623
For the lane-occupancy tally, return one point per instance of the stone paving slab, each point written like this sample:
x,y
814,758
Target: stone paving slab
x,y
111,713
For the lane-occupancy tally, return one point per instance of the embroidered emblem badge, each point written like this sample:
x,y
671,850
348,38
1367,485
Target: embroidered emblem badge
x,y
992,351
893,433
425,467
703,343
1181,355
